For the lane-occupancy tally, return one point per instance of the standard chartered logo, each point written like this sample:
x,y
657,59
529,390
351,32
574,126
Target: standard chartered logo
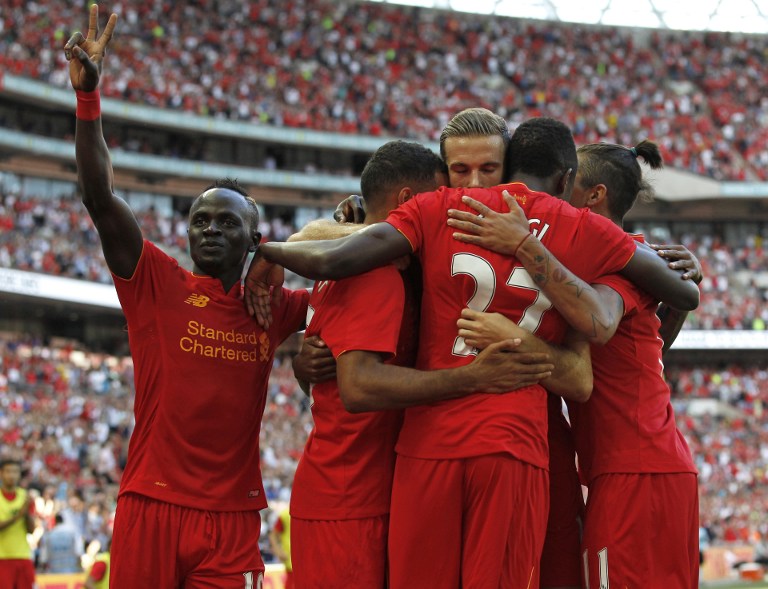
x,y
236,346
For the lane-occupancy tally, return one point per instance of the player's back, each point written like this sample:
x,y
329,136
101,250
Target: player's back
x,y
457,275
628,424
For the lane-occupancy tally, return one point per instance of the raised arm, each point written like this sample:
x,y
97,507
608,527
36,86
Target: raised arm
x,y
367,384
120,234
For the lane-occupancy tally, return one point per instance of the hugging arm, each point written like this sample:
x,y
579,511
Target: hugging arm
x,y
571,377
366,383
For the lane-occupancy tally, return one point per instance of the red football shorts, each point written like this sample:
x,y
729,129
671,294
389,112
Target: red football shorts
x,y
17,573
561,557
339,553
470,523
642,531
157,544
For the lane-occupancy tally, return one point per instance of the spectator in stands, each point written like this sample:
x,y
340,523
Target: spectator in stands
x,y
61,548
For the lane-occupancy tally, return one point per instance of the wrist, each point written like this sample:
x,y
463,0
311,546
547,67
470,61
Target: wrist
x,y
465,380
522,243
88,105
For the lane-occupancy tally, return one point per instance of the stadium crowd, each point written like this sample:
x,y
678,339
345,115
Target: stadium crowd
x,y
55,237
375,69
730,451
66,412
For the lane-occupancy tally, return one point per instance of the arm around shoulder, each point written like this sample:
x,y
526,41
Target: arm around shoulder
x,y
365,250
652,274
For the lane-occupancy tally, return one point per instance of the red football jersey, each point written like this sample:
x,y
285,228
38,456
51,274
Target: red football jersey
x,y
628,424
348,462
457,275
201,366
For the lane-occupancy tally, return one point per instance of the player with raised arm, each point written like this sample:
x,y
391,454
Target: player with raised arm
x,y
635,461
492,447
189,499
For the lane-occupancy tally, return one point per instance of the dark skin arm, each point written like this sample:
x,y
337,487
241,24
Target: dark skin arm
x,y
682,260
580,304
320,260
366,383
314,363
120,234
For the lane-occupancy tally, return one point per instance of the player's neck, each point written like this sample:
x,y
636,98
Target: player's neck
x,y
536,183
375,216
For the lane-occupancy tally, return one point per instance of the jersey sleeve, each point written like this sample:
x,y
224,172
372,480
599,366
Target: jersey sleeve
x,y
291,313
604,248
141,290
409,218
364,313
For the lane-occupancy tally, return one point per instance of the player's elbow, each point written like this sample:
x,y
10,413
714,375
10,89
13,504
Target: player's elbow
x,y
583,389
689,298
353,391
355,400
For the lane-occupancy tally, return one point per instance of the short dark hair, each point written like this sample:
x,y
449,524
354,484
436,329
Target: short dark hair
x,y
396,164
617,168
475,122
6,461
541,147
233,185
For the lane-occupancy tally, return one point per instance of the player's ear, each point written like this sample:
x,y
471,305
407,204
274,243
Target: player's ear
x,y
256,238
405,195
597,195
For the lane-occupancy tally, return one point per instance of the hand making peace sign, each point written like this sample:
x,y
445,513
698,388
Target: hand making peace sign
x,y
88,52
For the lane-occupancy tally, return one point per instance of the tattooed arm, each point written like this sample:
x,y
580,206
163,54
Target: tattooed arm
x,y
594,314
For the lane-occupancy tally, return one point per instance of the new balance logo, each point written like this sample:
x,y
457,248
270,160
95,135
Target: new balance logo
x,y
197,300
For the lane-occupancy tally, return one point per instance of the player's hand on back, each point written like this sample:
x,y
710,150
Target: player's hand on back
x,y
350,210
263,288
681,258
315,362
85,54
502,367
498,232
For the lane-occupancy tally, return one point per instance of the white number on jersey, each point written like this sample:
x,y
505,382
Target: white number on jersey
x,y
484,276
